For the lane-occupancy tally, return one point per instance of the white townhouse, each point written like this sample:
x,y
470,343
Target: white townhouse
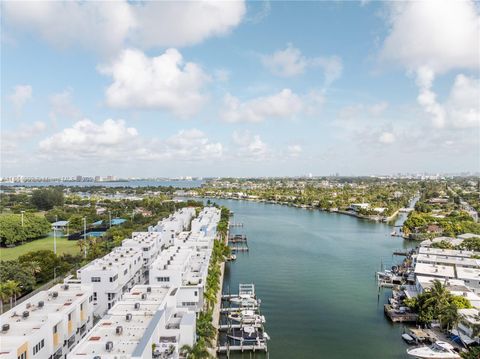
x,y
171,226
207,221
186,268
146,323
150,243
112,275
47,325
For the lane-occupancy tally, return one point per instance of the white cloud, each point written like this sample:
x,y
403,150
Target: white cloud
x,y
285,104
88,139
294,150
386,137
427,98
291,62
442,35
61,106
378,108
430,38
21,94
286,63
461,109
98,25
193,145
13,143
181,23
162,82
108,26
113,140
249,146
463,103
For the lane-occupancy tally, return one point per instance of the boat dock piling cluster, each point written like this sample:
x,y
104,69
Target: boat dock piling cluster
x,y
241,324
238,243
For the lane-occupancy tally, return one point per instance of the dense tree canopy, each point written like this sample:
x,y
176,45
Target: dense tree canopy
x,y
47,198
12,231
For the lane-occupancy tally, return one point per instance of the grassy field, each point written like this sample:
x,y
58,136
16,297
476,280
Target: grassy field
x,y
63,246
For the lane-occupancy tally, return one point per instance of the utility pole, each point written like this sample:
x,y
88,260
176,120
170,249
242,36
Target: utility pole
x,y
110,218
85,237
22,217
55,240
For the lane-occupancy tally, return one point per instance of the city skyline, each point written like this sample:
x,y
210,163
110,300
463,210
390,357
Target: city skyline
x,y
346,87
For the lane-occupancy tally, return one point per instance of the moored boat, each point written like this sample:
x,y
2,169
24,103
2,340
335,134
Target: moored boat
x,y
438,350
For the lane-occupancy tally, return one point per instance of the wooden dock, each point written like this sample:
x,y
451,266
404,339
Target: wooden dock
x,y
397,316
223,327
241,348
239,249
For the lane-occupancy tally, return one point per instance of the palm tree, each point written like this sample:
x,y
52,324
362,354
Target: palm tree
x,y
197,351
4,295
438,296
450,316
13,289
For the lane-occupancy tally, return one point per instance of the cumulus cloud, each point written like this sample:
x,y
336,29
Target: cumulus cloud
x,y
108,26
21,94
170,23
113,140
249,146
12,142
442,35
98,25
291,62
193,145
462,105
386,137
294,151
162,82
430,38
62,107
88,139
284,104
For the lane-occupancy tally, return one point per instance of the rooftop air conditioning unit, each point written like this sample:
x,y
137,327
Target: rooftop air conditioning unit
x,y
109,346
54,294
144,296
5,328
65,287
40,304
136,306
119,330
128,317
149,289
104,268
25,314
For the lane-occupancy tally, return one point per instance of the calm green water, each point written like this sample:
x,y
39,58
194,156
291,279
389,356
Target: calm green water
x,y
314,272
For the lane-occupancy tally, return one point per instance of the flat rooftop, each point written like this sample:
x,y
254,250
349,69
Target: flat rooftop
x,y
447,252
427,269
468,273
38,315
459,261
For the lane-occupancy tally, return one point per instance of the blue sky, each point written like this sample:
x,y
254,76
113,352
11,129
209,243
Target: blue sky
x,y
239,89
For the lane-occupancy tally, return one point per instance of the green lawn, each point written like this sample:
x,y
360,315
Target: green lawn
x,y
63,246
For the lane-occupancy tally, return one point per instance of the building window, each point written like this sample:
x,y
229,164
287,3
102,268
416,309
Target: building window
x,y
163,279
23,355
96,279
95,296
188,304
114,278
55,329
125,271
37,347
195,293
69,316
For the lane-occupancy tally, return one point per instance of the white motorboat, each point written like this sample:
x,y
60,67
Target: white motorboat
x,y
247,317
244,300
438,350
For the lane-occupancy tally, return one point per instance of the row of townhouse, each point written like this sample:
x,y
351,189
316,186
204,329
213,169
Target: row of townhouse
x,y
47,325
146,323
444,264
459,271
138,316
